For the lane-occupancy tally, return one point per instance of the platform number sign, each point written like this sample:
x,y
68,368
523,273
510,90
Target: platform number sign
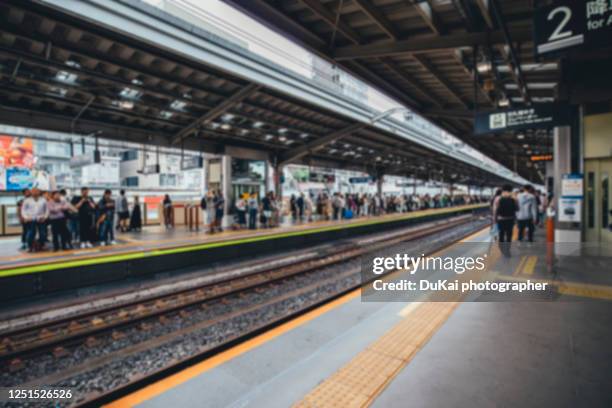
x,y
573,25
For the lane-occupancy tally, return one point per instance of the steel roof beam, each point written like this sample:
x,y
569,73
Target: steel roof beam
x,y
317,144
431,19
458,55
216,112
389,63
378,18
450,113
483,5
438,76
330,18
386,85
509,38
426,44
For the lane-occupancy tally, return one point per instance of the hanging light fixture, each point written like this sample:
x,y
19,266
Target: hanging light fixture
x,y
484,66
503,102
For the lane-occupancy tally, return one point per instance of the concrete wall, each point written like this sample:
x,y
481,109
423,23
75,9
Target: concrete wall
x,y
598,136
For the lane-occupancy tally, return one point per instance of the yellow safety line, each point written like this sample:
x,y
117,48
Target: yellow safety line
x,y
587,290
206,365
286,233
172,381
530,265
362,379
517,271
359,382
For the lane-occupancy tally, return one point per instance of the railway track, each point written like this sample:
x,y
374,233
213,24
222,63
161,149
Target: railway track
x,y
58,338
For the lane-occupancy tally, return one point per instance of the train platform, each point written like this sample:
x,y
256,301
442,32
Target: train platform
x,y
551,351
157,250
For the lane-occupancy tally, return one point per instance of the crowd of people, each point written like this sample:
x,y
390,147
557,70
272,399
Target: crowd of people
x,y
82,222
524,208
79,221
304,207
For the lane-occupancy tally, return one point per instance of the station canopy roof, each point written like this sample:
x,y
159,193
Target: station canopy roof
x,y
62,72
424,54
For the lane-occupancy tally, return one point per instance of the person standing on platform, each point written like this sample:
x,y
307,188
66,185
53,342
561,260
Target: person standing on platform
x,y
219,210
123,211
527,213
308,207
241,209
267,207
24,231
293,206
106,219
209,203
494,232
252,208
336,206
35,213
504,213
168,212
299,202
136,217
58,208
86,212
276,210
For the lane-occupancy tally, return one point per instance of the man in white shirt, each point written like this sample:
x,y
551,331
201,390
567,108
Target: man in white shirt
x,y
527,213
34,212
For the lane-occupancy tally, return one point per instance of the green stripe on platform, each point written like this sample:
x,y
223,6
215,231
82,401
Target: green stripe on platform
x,y
23,270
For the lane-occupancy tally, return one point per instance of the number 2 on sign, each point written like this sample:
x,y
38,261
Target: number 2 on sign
x,y
559,34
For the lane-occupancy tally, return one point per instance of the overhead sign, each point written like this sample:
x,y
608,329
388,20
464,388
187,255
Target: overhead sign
x,y
317,177
542,157
192,162
536,116
81,160
360,180
571,24
572,186
150,169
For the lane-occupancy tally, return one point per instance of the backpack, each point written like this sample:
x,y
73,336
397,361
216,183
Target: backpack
x,y
203,203
507,207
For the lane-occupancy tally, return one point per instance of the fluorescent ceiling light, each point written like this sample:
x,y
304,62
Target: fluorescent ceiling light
x,y
73,64
484,67
130,93
58,91
66,77
123,104
178,105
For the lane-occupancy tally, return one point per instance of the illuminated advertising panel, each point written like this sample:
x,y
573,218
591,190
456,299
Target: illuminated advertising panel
x,y
16,163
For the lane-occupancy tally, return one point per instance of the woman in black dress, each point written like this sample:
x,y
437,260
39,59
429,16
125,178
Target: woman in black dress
x,y
136,218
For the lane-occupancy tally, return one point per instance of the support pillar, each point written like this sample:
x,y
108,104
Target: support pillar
x,y
226,181
278,185
565,232
380,178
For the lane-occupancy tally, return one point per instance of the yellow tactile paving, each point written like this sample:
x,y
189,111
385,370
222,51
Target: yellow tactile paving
x,y
530,265
342,395
362,379
519,267
573,288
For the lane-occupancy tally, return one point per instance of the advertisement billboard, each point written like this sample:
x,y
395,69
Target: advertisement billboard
x,y
18,178
16,152
16,163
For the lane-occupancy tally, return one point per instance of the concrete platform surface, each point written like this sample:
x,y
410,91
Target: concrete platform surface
x,y
501,354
